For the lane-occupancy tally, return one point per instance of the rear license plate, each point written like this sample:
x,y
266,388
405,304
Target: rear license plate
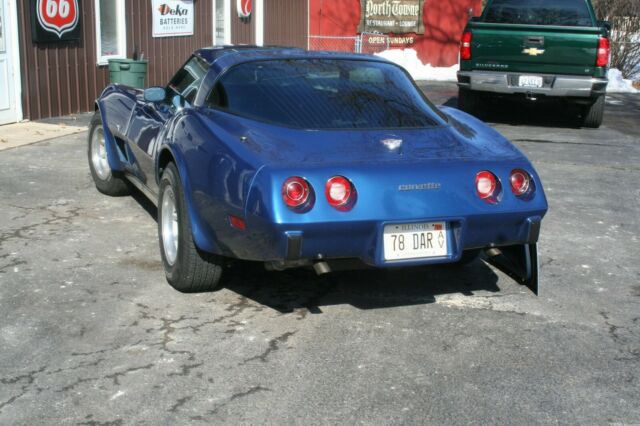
x,y
415,240
530,81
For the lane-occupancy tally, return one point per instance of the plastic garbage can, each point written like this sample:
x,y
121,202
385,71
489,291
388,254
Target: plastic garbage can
x,y
128,71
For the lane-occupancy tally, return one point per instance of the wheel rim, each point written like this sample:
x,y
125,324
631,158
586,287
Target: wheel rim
x,y
99,154
169,225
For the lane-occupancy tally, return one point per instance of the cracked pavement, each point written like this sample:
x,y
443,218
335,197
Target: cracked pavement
x,y
91,333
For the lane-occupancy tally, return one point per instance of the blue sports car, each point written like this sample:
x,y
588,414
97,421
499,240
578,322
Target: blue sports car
x,y
313,159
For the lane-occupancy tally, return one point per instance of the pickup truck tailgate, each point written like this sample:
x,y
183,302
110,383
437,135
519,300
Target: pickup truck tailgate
x,y
534,48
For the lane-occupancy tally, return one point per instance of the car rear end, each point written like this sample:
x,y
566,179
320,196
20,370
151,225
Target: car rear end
x,y
357,164
397,214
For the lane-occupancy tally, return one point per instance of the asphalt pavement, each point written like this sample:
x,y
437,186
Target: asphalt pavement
x,y
91,333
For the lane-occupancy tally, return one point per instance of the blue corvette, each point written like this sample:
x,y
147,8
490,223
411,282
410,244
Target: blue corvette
x,y
313,159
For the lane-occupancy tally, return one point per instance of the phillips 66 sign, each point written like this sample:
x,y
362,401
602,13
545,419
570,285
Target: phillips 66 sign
x,y
55,20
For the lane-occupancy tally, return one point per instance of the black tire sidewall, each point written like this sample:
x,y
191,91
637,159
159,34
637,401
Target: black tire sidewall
x,y
171,178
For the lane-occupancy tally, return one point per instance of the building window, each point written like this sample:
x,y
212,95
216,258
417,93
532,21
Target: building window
x,y
221,22
111,37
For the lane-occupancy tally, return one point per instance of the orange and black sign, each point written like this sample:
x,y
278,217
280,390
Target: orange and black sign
x,y
55,21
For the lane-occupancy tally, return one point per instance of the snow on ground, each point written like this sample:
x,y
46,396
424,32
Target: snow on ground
x,y
617,84
408,59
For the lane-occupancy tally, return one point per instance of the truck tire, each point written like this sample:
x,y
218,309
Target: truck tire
x,y
594,113
468,101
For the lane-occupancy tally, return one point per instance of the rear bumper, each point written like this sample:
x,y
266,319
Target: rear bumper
x,y
292,243
554,85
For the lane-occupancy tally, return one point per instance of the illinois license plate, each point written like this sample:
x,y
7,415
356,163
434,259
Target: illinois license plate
x,y
530,81
415,240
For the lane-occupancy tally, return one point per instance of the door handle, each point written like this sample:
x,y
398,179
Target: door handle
x,y
535,40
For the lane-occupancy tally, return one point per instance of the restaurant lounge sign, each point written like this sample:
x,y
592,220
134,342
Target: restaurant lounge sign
x,y
391,16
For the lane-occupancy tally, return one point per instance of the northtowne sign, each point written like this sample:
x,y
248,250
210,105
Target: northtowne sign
x,y
391,16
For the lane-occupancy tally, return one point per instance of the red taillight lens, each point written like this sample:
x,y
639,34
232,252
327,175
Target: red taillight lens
x,y
520,182
465,46
295,191
604,49
339,192
486,184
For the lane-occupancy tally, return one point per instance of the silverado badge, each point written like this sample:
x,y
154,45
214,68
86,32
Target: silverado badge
x,y
533,51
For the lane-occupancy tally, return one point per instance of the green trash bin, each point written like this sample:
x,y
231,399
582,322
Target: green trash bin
x,y
129,72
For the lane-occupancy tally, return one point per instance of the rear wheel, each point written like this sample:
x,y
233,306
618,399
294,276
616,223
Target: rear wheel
x,y
106,180
594,113
469,101
187,269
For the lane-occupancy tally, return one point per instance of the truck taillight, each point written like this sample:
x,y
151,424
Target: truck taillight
x,y
604,49
465,46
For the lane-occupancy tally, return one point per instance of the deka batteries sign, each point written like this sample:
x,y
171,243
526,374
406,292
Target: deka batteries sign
x,y
172,18
55,20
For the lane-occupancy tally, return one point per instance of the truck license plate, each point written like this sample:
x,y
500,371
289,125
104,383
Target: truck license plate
x,y
415,240
530,81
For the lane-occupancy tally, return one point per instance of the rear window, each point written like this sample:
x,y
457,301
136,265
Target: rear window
x,y
540,12
324,94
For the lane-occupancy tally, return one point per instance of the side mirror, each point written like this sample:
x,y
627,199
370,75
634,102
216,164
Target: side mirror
x,y
154,94
605,24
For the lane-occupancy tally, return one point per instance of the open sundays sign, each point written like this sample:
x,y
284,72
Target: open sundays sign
x,y
172,18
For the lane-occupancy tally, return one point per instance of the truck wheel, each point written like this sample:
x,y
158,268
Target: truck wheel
x,y
594,113
107,181
468,101
187,269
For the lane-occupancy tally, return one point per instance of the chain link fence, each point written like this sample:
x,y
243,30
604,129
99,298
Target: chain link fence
x,y
336,44
364,43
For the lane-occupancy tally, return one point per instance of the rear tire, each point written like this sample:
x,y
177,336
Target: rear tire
x,y
106,180
187,269
594,113
469,101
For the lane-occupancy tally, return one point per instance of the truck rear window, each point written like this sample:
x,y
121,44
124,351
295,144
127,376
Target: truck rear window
x,y
324,94
539,12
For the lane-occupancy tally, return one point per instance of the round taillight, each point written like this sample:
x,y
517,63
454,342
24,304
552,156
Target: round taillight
x,y
520,182
339,192
295,191
486,184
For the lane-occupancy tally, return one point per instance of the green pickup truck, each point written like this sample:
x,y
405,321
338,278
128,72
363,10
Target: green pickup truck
x,y
536,49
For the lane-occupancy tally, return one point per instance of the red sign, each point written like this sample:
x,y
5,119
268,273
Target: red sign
x,y
58,16
244,8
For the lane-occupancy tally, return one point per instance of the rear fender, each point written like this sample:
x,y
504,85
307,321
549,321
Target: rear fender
x,y
115,157
203,236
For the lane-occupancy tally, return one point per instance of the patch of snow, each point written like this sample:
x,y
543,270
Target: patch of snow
x,y
617,84
408,59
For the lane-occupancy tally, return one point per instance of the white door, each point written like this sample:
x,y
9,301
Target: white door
x,y
8,107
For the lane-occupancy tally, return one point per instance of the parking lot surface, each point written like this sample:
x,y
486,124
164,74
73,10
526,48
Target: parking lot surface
x,y
91,333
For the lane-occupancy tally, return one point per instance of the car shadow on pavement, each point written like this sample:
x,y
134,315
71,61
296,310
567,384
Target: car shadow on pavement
x,y
296,289
300,288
